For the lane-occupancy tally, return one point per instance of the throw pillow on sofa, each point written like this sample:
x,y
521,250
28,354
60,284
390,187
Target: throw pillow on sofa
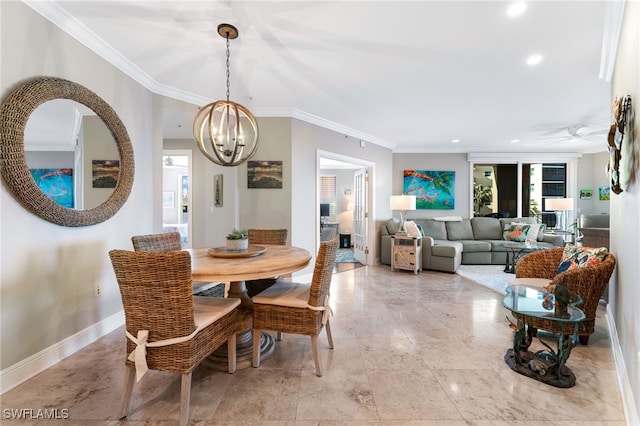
x,y
578,257
412,229
536,230
515,232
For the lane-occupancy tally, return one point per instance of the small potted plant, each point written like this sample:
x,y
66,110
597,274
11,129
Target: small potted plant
x,y
238,240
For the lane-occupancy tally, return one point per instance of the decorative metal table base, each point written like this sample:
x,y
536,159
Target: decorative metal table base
x,y
537,369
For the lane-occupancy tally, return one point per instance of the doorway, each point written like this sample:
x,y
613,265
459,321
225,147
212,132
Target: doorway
x,y
176,194
352,204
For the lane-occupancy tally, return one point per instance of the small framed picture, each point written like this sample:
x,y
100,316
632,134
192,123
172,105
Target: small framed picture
x,y
217,190
168,199
586,194
604,193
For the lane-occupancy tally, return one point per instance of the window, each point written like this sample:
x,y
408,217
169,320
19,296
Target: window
x,y
328,195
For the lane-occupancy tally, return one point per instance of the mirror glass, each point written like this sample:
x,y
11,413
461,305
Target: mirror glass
x,y
71,154
69,140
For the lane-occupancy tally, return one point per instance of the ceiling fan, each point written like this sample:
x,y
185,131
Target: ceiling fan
x,y
577,132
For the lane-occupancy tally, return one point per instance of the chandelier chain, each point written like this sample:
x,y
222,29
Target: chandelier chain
x,y
228,63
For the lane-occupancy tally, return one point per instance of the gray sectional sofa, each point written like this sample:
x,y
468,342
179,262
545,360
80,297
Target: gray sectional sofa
x,y
475,241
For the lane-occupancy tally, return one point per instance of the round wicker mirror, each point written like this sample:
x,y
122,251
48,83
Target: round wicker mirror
x,y
14,114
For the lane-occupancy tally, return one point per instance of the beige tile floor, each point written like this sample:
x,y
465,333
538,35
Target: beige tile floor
x,y
409,350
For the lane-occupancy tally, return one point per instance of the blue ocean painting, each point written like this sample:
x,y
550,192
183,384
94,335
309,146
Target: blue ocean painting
x,y
433,189
56,184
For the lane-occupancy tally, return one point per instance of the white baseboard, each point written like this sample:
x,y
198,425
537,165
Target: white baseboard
x,y
628,404
23,370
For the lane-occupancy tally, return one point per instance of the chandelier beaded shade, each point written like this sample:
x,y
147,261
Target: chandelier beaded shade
x,y
225,131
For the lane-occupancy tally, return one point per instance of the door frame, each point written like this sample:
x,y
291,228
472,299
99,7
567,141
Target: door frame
x,y
370,208
189,154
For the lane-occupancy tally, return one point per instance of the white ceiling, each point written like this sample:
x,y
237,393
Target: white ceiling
x,y
409,75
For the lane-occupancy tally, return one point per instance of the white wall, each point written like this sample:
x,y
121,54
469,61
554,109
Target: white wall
x,y
47,271
210,224
269,207
592,175
624,297
306,140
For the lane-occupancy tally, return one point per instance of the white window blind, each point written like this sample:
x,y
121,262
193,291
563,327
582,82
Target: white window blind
x,y
328,194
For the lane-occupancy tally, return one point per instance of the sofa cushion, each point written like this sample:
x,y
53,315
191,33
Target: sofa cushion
x,y
412,229
446,249
392,226
434,229
486,228
472,246
515,232
536,230
459,230
579,257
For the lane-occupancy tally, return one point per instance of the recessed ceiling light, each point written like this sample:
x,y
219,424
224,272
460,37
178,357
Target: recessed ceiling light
x,y
534,59
516,9
455,140
514,140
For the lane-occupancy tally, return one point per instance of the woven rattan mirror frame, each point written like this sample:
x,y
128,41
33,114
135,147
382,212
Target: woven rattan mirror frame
x,y
14,113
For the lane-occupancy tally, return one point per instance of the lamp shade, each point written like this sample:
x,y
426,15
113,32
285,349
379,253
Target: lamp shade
x,y
402,202
559,204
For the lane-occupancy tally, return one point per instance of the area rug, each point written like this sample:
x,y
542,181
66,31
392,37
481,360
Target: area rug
x,y
345,255
492,276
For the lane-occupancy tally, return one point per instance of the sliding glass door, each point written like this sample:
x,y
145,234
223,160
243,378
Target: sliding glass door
x,y
518,189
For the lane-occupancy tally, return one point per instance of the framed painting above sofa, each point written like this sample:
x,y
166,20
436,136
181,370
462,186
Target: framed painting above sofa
x,y
433,189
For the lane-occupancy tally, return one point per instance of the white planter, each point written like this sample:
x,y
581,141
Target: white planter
x,y
238,245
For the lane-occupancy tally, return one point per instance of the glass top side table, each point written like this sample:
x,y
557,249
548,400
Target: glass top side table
x,y
547,365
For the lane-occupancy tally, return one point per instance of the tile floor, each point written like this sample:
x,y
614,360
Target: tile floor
x,y
409,350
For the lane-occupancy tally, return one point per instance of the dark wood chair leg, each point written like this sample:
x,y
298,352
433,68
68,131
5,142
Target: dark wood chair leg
x,y
584,339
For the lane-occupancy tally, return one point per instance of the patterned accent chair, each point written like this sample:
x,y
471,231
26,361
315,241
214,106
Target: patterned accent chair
x,y
589,282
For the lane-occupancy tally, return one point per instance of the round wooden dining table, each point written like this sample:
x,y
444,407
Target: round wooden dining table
x,y
273,261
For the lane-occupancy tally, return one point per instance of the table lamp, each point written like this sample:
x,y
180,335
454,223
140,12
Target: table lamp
x,y
402,203
560,206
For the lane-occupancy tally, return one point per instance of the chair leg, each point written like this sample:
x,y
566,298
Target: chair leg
x,y
256,347
279,335
231,353
185,396
329,337
129,379
584,340
316,355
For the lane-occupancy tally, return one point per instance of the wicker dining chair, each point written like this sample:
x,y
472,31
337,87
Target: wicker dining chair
x,y
167,328
297,308
588,282
265,236
169,241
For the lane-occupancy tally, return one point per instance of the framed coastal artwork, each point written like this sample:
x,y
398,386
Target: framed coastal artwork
x,y
604,193
264,174
434,190
57,184
105,173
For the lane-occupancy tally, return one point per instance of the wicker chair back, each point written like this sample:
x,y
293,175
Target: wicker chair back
x,y
268,236
157,242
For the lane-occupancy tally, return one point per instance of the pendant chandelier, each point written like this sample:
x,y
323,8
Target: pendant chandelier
x,y
227,127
